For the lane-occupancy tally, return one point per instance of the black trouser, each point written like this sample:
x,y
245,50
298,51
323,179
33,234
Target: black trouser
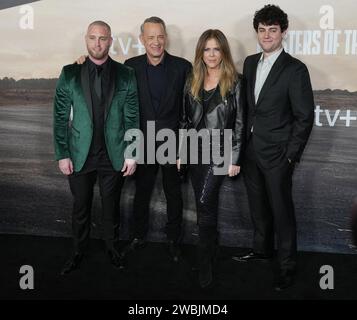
x,y
82,184
145,180
206,186
272,208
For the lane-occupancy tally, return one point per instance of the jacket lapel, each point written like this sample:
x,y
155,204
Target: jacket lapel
x,y
86,88
111,89
253,78
272,76
170,75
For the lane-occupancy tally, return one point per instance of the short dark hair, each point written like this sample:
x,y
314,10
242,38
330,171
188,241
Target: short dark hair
x,y
270,15
153,20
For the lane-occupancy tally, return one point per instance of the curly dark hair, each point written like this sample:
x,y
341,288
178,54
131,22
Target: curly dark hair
x,y
271,15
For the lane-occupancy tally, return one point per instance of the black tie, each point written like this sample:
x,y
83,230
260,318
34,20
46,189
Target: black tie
x,y
98,82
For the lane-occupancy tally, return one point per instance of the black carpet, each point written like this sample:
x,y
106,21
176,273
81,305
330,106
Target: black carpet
x,y
151,275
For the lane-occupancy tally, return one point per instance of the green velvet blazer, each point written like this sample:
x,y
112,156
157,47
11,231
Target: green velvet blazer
x,y
72,137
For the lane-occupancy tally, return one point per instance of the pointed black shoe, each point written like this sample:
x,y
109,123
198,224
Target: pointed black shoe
x,y
174,250
116,259
284,280
73,263
134,245
137,243
252,256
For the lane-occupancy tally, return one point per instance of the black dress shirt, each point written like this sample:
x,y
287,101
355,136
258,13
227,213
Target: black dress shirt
x,y
98,158
157,82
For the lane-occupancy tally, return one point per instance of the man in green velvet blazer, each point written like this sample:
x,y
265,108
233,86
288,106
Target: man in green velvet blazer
x,y
95,104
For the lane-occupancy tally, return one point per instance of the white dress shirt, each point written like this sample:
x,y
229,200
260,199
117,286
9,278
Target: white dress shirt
x,y
263,69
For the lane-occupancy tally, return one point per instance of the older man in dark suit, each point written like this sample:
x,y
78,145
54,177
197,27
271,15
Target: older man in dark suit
x,y
161,79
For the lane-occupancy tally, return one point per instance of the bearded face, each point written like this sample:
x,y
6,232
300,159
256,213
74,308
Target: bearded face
x,y
98,40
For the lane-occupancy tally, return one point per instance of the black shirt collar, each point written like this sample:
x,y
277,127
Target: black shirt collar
x,y
105,65
161,63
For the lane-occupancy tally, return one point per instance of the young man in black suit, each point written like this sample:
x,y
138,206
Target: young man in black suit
x,y
280,112
103,96
161,78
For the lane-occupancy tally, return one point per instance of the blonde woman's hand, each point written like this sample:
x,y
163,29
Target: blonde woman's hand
x,y
178,164
233,170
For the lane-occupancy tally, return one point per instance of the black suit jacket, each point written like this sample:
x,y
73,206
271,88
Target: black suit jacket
x,y
167,116
283,116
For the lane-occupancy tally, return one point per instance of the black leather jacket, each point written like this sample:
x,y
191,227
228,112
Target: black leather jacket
x,y
227,114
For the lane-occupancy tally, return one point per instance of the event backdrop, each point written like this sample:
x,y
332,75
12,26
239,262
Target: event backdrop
x,y
39,37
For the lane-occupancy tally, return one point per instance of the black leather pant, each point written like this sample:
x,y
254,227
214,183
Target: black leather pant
x,y
206,186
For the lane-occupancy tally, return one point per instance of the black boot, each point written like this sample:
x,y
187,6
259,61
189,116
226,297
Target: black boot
x,y
73,263
207,252
205,265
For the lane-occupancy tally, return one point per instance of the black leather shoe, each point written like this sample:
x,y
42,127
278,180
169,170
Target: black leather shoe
x,y
116,259
135,244
174,250
73,263
205,275
252,256
284,280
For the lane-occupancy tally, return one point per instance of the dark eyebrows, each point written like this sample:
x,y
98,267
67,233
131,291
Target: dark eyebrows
x,y
268,29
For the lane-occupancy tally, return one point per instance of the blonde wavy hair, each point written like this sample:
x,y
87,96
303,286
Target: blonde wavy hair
x,y
199,72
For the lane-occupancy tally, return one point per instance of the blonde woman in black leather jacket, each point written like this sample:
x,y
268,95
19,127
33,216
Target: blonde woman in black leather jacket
x,y
211,101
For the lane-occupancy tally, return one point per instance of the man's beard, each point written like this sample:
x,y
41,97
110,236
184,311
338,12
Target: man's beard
x,y
98,55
